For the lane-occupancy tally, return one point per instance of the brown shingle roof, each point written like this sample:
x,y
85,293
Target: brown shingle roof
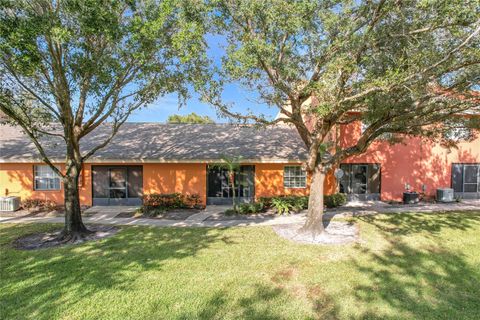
x,y
156,142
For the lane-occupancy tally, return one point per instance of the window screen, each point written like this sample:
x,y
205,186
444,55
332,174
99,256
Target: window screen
x,y
470,178
45,178
360,178
466,177
457,177
294,177
101,180
135,182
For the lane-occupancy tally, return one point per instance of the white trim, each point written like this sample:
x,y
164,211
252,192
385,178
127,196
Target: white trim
x,y
32,160
51,175
302,176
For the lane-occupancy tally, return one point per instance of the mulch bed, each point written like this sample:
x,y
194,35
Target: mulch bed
x,y
179,214
337,232
45,240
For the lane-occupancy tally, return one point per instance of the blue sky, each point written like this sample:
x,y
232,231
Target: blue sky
x,y
233,93
168,105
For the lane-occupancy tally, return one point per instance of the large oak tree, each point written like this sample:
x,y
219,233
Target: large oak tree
x,y
400,67
69,66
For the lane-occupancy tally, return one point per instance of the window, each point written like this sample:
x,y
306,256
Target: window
x,y
294,177
458,134
45,178
362,178
466,177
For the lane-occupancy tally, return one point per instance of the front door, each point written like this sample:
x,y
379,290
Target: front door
x,y
117,185
359,178
360,181
219,189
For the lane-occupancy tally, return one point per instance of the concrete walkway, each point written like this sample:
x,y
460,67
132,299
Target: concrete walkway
x,y
108,211
107,215
205,214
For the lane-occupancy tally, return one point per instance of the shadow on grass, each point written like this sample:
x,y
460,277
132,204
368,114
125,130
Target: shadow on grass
x,y
419,278
266,302
42,281
411,223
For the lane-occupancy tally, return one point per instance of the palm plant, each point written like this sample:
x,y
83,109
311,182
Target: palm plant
x,y
232,165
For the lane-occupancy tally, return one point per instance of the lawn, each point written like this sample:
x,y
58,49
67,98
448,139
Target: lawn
x,y
418,266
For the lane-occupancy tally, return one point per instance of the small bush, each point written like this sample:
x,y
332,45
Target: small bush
x,y
281,206
246,208
157,203
285,204
335,200
267,201
39,204
193,201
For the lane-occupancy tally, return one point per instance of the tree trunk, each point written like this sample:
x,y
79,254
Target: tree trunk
x,y
314,223
74,227
232,179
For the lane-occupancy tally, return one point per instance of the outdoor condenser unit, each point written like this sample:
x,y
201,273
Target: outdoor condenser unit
x,y
445,195
9,203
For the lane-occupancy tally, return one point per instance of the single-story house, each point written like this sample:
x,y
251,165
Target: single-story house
x,y
146,158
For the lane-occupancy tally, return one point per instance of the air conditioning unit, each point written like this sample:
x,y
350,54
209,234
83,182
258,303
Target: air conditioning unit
x,y
9,203
445,195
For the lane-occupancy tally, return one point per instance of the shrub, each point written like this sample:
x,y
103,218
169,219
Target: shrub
x,y
42,205
281,206
246,208
267,201
285,204
193,201
335,200
168,201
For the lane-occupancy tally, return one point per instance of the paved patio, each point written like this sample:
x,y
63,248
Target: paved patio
x,y
107,215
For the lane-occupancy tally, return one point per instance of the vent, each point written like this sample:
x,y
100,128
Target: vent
x,y
9,203
445,195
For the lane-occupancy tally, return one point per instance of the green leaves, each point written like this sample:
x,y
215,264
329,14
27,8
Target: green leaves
x,y
189,118
400,66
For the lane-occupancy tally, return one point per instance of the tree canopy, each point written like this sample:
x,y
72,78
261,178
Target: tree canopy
x,y
67,67
400,67
189,118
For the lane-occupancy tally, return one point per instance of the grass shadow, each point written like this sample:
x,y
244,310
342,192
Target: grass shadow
x,y
418,274
77,271
412,223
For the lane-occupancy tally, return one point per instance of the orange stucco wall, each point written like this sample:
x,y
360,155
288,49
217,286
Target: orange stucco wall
x,y
186,178
16,179
416,161
269,181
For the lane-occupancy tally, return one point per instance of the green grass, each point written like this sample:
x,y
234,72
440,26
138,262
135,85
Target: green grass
x,y
423,266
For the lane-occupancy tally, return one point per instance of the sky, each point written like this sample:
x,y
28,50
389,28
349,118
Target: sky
x,y
233,93
168,105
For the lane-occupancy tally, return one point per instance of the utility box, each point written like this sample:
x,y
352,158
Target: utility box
x,y
410,197
9,203
445,195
